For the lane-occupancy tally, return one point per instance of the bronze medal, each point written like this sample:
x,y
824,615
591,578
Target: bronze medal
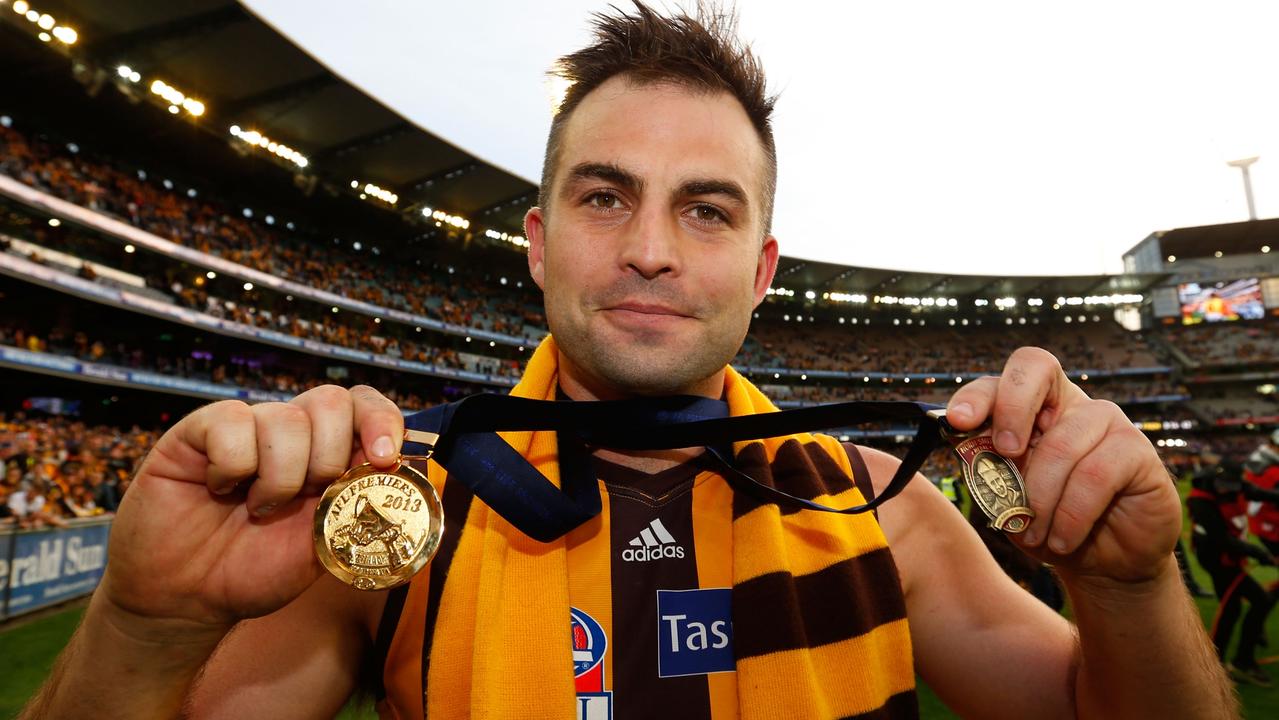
x,y
375,529
993,480
995,484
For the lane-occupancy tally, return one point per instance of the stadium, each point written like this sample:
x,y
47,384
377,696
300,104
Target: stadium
x,y
193,209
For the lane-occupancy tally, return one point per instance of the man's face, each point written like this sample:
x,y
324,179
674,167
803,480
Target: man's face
x,y
995,479
650,252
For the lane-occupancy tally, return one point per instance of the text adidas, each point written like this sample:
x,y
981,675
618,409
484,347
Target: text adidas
x,y
644,554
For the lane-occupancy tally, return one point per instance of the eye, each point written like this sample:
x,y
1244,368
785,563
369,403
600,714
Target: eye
x,y
604,200
709,215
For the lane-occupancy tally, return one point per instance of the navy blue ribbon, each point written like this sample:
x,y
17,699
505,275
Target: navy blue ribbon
x,y
470,449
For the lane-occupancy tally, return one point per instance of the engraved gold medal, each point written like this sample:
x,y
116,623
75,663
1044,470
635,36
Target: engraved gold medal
x,y
375,529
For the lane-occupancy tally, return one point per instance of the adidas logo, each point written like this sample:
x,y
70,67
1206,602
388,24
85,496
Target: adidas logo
x,y
653,543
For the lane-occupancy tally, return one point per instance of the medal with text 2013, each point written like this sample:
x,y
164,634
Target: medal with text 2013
x,y
374,529
995,484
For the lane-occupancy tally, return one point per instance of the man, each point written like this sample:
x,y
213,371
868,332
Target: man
x,y
651,243
27,507
1217,506
1262,469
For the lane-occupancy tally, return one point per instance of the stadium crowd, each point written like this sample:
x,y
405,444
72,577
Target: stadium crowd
x,y
57,468
1217,344
207,225
467,297
942,349
239,371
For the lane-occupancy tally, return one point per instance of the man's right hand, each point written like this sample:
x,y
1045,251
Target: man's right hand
x,y
216,526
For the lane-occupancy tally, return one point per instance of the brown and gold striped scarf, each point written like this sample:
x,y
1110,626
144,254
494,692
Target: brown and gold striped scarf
x,y
819,621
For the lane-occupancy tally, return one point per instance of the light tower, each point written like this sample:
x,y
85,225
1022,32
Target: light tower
x,y
1247,183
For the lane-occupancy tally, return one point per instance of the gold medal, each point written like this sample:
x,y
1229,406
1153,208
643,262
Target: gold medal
x,y
375,529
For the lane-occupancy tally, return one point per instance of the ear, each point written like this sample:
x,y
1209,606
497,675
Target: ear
x,y
535,233
765,268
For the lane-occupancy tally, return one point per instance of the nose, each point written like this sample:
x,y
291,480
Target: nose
x,y
650,245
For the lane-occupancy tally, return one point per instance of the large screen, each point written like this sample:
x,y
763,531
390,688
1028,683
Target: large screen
x,y
1221,301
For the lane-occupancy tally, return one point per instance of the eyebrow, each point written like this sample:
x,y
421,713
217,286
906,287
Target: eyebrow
x,y
613,173
608,172
710,186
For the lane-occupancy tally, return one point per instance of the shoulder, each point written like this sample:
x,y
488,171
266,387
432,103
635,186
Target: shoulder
x,y
919,522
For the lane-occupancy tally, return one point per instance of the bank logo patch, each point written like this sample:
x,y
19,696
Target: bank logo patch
x,y
694,632
589,644
653,543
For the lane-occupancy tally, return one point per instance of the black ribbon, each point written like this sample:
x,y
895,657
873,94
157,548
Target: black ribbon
x,y
470,449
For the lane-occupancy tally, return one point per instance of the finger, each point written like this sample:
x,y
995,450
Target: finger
x,y
1032,382
331,412
972,403
379,424
1090,489
284,447
1059,450
223,433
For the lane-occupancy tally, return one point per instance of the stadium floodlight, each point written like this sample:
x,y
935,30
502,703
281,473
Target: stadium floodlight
x,y
378,192
1243,165
256,139
45,22
21,7
66,35
1265,248
176,98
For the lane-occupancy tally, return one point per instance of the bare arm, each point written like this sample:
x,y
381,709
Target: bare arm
x,y
1108,519
302,661
991,650
139,668
1145,653
988,648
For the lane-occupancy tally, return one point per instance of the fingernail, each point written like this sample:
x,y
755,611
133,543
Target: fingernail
x,y
963,410
224,490
383,447
264,510
1006,442
1058,545
1032,537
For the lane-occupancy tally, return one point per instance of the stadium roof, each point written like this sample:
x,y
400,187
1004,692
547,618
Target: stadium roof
x,y
1241,238
803,275
248,74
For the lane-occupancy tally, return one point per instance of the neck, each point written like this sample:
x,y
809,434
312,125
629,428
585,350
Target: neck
x,y
579,387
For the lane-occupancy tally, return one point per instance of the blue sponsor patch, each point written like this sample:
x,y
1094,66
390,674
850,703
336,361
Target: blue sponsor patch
x,y
694,632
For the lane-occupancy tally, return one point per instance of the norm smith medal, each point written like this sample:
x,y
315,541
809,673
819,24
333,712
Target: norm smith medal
x,y
374,529
995,484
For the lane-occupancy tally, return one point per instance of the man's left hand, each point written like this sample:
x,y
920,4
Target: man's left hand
x,y
1104,506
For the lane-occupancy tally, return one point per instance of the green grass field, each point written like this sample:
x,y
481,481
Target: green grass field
x,y
28,649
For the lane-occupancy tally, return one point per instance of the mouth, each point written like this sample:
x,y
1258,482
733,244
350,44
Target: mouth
x,y
636,308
